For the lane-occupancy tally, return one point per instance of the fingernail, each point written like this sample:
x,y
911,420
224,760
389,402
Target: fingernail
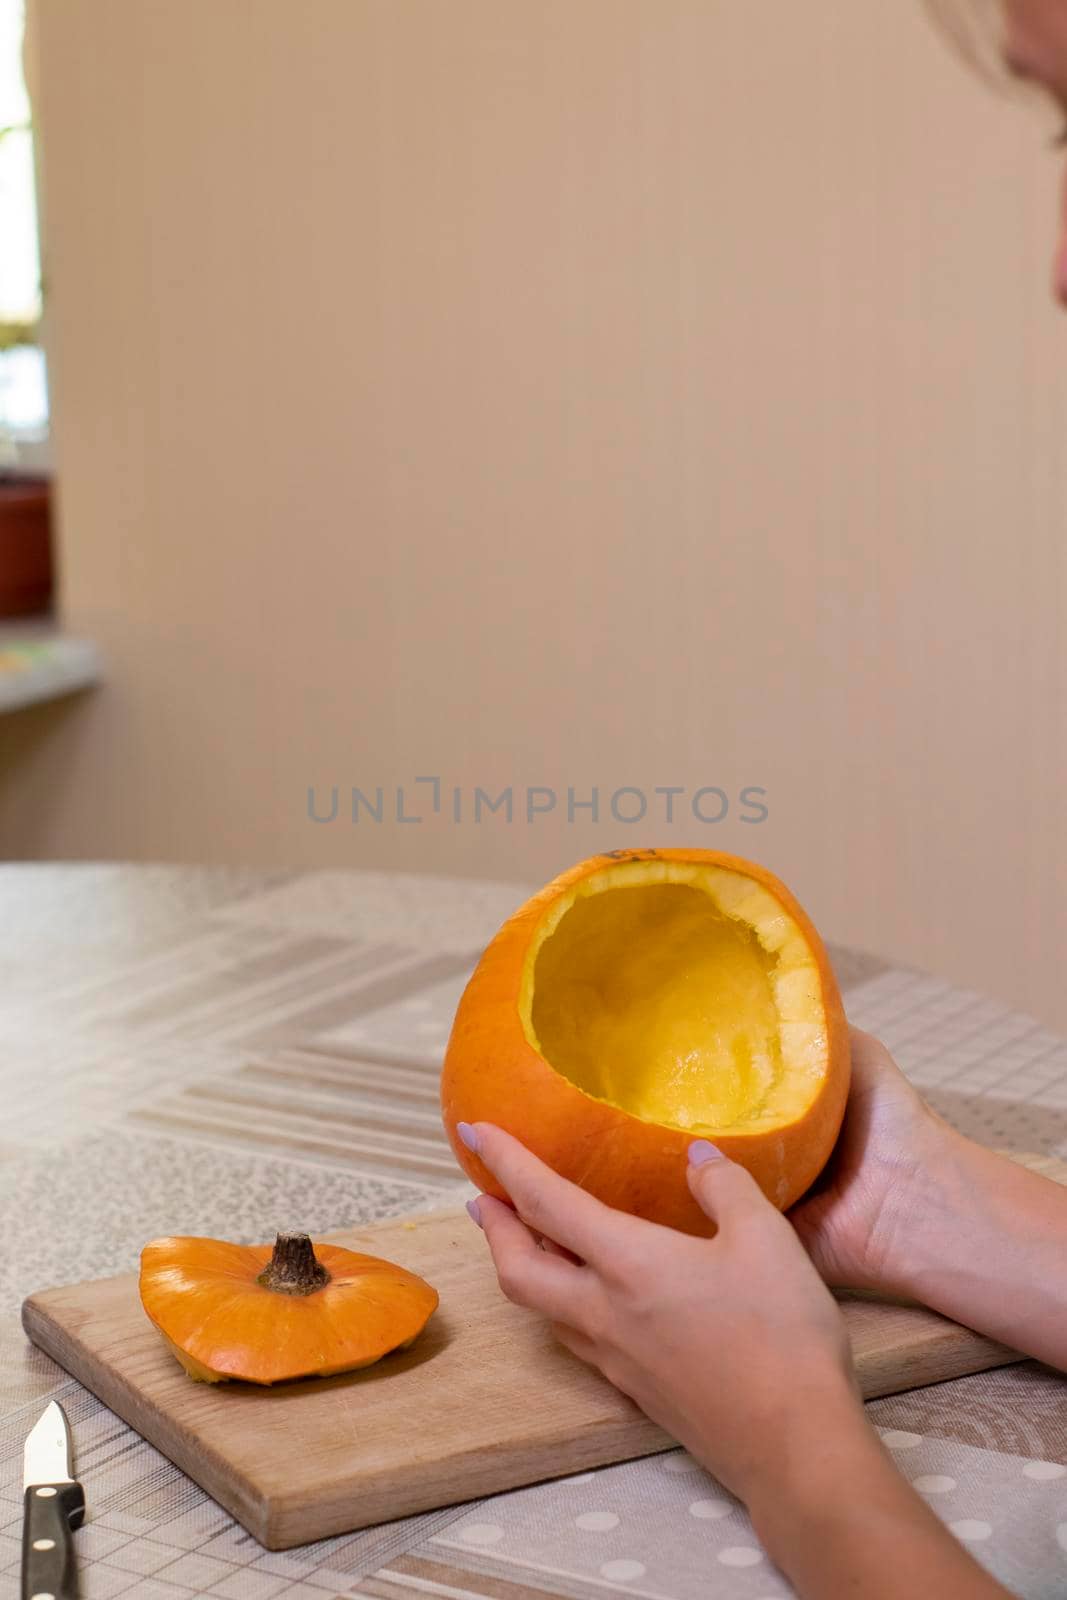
x,y
701,1152
474,1212
469,1135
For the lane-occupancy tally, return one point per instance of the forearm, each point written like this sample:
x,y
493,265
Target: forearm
x,y
835,1514
984,1241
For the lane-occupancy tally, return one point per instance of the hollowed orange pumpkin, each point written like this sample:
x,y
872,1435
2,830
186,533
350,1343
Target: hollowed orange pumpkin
x,y
269,1315
644,999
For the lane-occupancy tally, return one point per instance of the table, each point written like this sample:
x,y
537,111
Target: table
x,y
208,1050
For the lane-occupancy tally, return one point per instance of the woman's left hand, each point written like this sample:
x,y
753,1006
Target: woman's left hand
x,y
732,1344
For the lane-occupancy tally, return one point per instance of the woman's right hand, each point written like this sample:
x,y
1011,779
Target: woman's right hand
x,y
855,1222
909,1207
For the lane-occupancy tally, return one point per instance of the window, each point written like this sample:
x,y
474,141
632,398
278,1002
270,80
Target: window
x,y
23,390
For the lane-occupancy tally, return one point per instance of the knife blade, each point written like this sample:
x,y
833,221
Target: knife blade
x,y
53,1506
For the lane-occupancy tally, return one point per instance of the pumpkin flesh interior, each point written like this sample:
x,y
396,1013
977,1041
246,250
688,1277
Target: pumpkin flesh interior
x,y
682,994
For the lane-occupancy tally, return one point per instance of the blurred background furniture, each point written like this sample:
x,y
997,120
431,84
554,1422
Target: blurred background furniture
x,y
39,662
25,546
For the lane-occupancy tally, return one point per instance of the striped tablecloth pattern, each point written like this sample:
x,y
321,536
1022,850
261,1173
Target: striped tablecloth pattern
x,y
217,1051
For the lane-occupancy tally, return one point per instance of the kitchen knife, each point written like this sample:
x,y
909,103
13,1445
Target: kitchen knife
x,y
53,1507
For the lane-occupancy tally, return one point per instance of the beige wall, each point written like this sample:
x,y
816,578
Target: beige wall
x,y
561,392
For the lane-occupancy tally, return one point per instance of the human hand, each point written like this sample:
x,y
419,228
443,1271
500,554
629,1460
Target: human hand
x,y
908,1206
855,1220
732,1344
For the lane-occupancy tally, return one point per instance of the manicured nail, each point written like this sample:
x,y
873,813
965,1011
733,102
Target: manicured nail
x,y
469,1135
474,1211
701,1152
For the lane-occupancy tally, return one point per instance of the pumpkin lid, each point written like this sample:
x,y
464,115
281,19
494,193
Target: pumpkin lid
x,y
269,1314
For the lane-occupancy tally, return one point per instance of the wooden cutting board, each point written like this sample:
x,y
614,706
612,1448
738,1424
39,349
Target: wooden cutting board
x,y
484,1401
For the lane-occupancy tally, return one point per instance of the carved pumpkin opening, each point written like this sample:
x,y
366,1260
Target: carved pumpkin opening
x,y
689,1000
653,999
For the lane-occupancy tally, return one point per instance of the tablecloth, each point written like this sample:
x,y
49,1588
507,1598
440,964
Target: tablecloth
x,y
220,1051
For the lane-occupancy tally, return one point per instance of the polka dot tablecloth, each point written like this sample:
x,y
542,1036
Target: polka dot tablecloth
x,y
201,1050
662,1528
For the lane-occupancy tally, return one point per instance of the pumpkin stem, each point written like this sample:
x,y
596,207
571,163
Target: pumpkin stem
x,y
293,1268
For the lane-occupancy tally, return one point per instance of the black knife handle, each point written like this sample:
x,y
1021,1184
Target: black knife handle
x,y
51,1512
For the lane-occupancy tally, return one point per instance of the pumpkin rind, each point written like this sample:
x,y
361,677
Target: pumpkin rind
x,y
493,1073
221,1323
